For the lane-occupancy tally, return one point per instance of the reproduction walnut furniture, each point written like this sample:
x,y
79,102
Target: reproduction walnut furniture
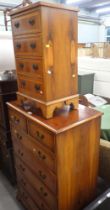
x,y
45,44
56,159
7,93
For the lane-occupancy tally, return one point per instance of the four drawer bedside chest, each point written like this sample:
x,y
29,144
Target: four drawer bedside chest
x,y
56,153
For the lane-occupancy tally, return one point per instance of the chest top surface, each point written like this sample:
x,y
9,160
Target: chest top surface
x,y
61,123
45,4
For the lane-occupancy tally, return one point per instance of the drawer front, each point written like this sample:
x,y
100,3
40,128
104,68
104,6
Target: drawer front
x,y
41,135
30,67
25,199
28,47
27,24
17,119
22,181
41,189
31,88
46,176
32,152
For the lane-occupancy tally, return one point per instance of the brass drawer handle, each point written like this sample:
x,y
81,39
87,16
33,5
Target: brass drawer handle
x,y
21,167
18,135
35,67
39,136
42,191
16,120
20,153
31,22
33,45
41,156
37,87
21,65
17,24
18,45
42,176
23,182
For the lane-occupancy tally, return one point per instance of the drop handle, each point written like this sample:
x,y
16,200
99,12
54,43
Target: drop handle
x,y
37,87
35,67
33,45
42,191
21,65
41,156
18,46
31,22
17,24
21,167
16,121
23,182
41,175
39,136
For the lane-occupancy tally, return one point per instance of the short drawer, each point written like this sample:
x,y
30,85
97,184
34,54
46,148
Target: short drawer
x,y
31,88
25,199
26,24
41,135
17,119
29,46
41,189
22,181
32,152
30,67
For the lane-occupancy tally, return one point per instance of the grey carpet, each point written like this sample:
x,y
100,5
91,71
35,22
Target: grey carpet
x,y
8,195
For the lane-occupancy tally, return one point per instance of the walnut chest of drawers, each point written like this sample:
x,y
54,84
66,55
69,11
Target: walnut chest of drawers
x,y
56,160
45,44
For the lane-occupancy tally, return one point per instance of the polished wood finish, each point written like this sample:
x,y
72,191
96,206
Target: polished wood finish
x,y
39,35
56,158
62,171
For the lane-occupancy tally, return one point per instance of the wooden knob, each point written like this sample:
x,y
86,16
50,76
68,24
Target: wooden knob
x,y
31,22
17,24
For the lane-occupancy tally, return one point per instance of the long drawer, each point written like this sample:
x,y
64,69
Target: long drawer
x,y
26,148
31,88
27,24
40,188
29,46
17,120
25,199
30,67
22,182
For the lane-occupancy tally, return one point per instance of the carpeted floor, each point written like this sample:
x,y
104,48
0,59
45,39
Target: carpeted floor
x,y
8,196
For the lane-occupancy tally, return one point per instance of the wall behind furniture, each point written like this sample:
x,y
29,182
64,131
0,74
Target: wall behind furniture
x,y
7,60
88,32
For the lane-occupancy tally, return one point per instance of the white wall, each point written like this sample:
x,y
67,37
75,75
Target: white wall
x,y
88,32
7,60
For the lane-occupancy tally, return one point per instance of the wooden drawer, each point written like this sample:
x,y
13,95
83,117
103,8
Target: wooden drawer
x,y
23,182
27,24
25,199
31,88
32,152
17,119
41,135
41,189
30,67
46,176
29,46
